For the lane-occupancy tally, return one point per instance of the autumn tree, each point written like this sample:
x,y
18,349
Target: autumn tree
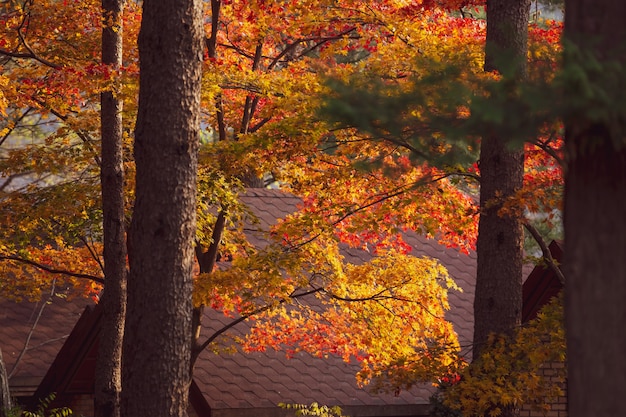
x,y
47,149
263,79
286,102
268,81
595,202
157,341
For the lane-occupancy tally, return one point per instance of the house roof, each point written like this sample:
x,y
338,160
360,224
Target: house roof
x,y
541,285
31,334
246,384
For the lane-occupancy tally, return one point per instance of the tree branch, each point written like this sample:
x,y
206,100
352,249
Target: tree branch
x,y
50,269
32,329
547,255
84,136
244,317
31,53
16,122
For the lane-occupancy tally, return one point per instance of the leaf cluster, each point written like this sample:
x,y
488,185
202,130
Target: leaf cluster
x,y
314,409
528,369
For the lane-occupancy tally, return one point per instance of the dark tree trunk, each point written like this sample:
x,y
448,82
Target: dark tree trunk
x,y
157,340
108,377
498,296
498,299
595,225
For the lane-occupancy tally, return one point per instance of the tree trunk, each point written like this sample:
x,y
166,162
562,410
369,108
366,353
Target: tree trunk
x,y
5,392
595,224
108,377
498,299
157,341
498,296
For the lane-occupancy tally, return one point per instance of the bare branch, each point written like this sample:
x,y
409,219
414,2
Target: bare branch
x,y
547,255
32,329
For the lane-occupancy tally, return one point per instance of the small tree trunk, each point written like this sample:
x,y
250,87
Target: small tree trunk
x,y
5,392
157,340
108,376
595,221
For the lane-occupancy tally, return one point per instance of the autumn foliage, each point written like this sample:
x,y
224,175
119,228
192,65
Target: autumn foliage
x,y
266,71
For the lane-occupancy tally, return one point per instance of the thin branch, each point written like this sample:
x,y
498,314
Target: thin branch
x,y
319,41
378,298
251,103
87,244
9,179
253,313
547,255
544,146
32,329
52,270
84,136
92,252
33,55
56,339
16,122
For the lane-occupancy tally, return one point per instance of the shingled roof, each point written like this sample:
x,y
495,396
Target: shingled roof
x,y
31,335
253,384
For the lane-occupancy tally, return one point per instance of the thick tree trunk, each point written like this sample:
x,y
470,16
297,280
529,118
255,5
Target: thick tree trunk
x,y
498,299
108,377
595,226
498,296
157,341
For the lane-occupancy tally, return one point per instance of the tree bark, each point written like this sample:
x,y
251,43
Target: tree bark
x,y
157,341
498,299
595,224
499,247
108,376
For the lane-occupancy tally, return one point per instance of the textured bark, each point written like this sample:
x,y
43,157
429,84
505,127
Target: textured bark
x,y
108,376
498,299
157,340
507,34
499,247
595,229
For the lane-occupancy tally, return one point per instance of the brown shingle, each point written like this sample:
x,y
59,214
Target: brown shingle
x,y
48,335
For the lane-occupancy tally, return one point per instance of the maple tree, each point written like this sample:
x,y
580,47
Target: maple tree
x,y
50,164
327,221
546,154
263,79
